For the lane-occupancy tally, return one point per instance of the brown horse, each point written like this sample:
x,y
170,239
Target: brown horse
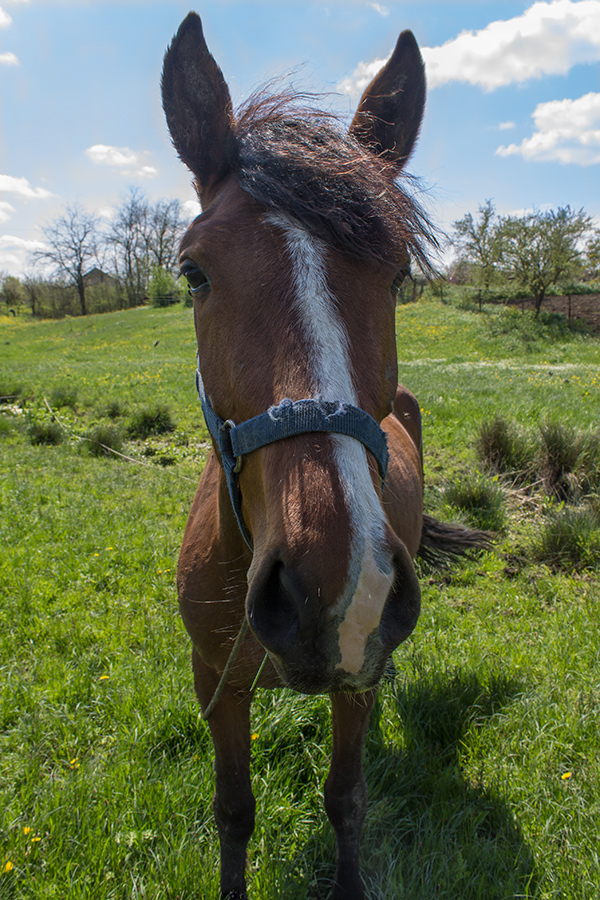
x,y
306,233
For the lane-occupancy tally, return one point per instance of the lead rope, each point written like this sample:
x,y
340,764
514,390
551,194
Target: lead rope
x,y
234,652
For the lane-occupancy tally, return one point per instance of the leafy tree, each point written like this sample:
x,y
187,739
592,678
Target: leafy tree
x,y
73,244
163,289
477,244
592,253
11,291
540,249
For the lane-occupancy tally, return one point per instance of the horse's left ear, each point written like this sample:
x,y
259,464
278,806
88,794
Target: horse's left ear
x,y
389,114
197,105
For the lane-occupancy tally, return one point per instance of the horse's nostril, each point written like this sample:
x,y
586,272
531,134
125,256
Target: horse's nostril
x,y
403,603
272,606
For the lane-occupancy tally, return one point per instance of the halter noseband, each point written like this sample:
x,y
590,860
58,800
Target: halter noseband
x,y
286,419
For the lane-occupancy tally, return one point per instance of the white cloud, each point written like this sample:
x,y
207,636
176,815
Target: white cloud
x,y
506,126
5,19
566,131
191,208
14,253
130,162
5,211
547,39
8,59
382,10
11,185
9,240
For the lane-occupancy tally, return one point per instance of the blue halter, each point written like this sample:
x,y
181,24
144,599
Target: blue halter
x,y
286,419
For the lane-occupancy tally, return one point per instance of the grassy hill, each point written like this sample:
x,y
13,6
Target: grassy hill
x,y
483,755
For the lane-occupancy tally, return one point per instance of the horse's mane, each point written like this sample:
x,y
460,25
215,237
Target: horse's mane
x,y
303,162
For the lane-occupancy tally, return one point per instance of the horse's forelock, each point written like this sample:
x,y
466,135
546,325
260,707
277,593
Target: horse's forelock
x,y
302,161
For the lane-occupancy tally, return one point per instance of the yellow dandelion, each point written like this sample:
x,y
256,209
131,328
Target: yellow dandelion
x,y
104,678
254,737
75,764
8,866
566,775
27,830
35,840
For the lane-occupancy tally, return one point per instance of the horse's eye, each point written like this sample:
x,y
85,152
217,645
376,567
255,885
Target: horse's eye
x,y
195,277
401,276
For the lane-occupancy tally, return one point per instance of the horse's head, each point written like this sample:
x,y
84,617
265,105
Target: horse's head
x,y
293,266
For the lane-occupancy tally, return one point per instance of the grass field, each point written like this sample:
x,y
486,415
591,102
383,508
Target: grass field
x,y
483,756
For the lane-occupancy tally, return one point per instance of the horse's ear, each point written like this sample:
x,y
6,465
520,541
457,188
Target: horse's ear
x,y
197,106
389,114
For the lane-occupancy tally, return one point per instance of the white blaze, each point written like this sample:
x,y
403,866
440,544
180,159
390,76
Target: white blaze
x,y
327,345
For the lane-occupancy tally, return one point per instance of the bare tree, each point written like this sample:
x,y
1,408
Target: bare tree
x,y
167,224
144,236
73,244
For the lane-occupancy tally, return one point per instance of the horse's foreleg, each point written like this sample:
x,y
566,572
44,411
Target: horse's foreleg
x,y
346,788
233,803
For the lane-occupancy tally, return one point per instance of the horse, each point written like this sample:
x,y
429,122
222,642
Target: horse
x,y
296,567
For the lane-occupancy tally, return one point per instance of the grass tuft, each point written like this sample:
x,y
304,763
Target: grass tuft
x,y
151,420
481,499
570,539
63,396
45,433
115,409
102,439
504,448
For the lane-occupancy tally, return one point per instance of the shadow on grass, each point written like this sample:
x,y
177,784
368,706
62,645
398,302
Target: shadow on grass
x,y
431,831
442,831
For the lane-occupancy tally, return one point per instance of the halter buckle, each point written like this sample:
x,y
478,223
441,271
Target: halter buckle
x,y
233,463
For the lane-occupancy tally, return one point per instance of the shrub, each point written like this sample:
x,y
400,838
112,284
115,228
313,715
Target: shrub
x,y
481,499
100,441
570,539
504,448
151,420
45,433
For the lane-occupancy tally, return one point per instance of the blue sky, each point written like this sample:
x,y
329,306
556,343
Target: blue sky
x,y
513,110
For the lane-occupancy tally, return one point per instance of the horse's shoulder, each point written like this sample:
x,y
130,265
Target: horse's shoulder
x,y
407,412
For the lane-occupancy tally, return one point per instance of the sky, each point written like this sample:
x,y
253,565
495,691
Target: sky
x,y
513,104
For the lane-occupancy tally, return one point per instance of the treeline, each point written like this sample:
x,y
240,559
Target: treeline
x,y
534,254
89,265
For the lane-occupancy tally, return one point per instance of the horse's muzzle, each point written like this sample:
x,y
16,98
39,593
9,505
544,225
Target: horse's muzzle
x,y
299,626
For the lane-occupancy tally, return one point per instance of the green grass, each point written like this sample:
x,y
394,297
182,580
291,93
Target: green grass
x,y
483,757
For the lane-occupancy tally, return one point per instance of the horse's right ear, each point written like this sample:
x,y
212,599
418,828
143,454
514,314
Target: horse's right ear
x,y
197,105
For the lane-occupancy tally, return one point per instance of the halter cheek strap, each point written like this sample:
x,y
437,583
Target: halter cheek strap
x,y
285,420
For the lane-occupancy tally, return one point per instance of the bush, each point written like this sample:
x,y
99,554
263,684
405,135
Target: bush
x,y
481,499
151,420
45,433
570,539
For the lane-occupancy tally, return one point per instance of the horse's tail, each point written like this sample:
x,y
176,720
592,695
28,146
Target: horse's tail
x,y
440,540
